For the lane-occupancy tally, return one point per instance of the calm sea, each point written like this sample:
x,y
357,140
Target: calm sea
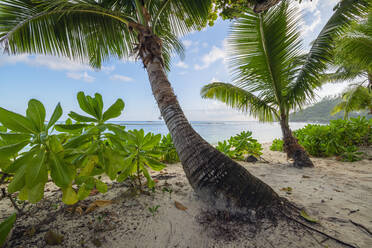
x,y
221,130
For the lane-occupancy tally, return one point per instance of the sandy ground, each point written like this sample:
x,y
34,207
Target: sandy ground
x,y
335,193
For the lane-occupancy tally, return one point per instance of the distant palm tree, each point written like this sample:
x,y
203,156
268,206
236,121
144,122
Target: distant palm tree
x,y
353,59
93,31
270,75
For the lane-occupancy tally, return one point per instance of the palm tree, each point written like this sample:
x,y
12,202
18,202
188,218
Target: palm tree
x,y
353,59
270,75
356,98
92,31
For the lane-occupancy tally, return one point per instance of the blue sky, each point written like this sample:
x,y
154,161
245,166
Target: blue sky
x,y
52,80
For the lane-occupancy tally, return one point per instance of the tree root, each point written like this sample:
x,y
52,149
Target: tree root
x,y
328,236
361,226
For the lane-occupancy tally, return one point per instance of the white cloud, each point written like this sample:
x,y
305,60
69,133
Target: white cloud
x,y
187,43
308,5
306,29
182,65
214,55
53,63
108,69
81,76
122,78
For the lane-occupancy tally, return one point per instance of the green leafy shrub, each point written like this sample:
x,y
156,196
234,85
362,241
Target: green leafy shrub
x,y
168,150
140,153
245,144
339,138
277,145
76,154
5,228
227,149
239,145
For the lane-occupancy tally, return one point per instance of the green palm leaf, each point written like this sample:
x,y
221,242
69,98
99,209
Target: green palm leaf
x,y
240,99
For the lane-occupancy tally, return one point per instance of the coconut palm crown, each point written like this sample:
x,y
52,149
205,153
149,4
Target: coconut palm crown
x,y
271,75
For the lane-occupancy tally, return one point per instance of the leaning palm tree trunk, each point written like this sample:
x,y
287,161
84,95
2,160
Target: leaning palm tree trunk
x,y
214,176
291,146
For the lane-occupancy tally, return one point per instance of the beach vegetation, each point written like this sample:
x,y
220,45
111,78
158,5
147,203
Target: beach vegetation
x,y
168,150
277,145
340,138
271,74
6,227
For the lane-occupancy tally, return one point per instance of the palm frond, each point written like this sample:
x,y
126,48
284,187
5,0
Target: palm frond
x,y
263,48
240,99
321,50
341,75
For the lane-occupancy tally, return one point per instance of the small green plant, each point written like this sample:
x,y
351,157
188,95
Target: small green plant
x,y
139,154
339,138
351,154
169,190
168,150
5,228
277,145
154,209
228,150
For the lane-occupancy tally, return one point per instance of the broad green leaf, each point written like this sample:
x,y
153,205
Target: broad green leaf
x,y
16,122
81,118
36,113
152,142
307,217
23,194
57,113
37,171
54,144
9,150
118,130
101,186
150,182
77,141
20,161
128,168
5,228
83,192
3,129
11,138
69,196
98,105
4,164
36,193
114,110
154,164
88,165
84,104
61,173
73,128
18,181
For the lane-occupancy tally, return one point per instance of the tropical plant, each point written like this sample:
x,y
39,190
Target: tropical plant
x,y
353,59
140,153
168,150
226,148
271,77
5,228
244,143
94,31
354,99
277,145
30,151
339,138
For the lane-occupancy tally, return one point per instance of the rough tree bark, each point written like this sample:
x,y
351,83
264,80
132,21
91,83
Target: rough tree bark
x,y
215,177
263,5
292,147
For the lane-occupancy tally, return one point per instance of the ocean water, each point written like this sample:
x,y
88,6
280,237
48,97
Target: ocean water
x,y
219,130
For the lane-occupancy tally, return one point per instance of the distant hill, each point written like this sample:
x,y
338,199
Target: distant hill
x,y
320,112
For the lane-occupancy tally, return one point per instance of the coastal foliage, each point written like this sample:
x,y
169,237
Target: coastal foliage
x,y
75,155
5,228
277,145
321,112
168,150
340,138
239,145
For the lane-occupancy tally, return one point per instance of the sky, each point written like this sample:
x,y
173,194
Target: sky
x,y
52,80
